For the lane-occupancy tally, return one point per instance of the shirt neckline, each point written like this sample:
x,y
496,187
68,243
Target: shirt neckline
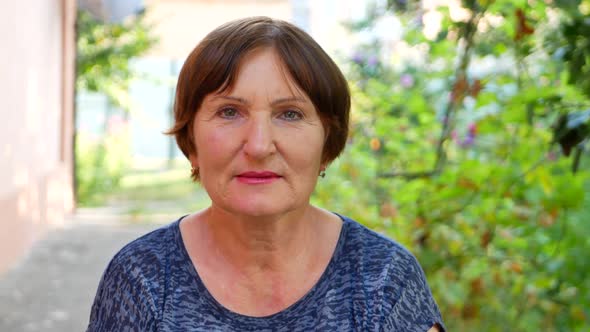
x,y
276,319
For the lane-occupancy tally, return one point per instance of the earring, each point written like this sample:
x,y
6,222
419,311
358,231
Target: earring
x,y
322,173
194,169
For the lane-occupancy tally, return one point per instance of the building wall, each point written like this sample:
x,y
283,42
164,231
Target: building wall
x,y
36,127
181,24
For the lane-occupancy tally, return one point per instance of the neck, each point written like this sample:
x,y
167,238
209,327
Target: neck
x,y
259,266
261,244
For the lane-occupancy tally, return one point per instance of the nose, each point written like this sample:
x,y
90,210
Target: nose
x,y
259,139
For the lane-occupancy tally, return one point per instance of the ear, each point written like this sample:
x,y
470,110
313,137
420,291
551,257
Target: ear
x,y
194,160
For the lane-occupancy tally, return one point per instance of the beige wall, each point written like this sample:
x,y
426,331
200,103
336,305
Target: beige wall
x,y
181,24
36,108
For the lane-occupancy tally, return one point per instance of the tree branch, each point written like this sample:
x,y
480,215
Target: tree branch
x,y
460,74
409,175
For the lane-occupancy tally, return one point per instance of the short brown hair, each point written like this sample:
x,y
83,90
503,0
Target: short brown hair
x,y
213,65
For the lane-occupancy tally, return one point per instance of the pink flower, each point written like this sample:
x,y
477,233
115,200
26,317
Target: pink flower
x,y
406,81
372,61
358,58
472,129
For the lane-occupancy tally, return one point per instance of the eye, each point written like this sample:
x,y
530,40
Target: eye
x,y
291,115
228,112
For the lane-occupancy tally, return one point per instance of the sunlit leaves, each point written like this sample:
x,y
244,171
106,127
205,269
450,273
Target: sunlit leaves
x,y
104,52
505,219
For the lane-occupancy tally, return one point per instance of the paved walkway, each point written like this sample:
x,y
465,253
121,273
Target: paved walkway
x,y
53,287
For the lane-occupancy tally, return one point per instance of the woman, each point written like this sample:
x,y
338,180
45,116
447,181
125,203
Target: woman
x,y
260,112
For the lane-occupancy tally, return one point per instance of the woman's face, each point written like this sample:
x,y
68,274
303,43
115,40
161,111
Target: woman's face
x,y
259,145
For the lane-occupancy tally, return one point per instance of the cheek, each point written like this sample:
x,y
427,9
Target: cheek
x,y
305,151
212,145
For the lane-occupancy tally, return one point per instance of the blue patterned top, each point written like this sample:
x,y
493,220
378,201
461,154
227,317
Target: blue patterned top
x,y
371,284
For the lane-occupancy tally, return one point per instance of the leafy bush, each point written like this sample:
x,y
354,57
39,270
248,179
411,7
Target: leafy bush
x,y
104,51
470,152
100,164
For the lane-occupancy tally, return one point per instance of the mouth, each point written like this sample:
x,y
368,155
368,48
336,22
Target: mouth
x,y
258,177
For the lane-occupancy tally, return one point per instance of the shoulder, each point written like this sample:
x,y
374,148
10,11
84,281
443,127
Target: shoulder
x,y
383,264
134,282
147,249
377,248
403,296
143,260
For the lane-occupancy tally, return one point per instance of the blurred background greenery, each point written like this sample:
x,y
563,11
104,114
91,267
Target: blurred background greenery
x,y
469,145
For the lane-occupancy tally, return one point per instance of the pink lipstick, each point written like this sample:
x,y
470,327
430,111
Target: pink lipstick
x,y
258,177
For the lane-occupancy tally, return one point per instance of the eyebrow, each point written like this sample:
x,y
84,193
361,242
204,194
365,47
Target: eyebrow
x,y
288,100
274,102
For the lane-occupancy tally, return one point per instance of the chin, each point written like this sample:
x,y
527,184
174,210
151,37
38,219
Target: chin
x,y
258,212
259,209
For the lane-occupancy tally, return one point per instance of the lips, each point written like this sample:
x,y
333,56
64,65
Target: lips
x,y
258,177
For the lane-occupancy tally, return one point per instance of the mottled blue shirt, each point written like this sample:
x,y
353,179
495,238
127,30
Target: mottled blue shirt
x,y
371,284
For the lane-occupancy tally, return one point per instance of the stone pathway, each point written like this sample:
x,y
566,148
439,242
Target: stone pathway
x,y
53,287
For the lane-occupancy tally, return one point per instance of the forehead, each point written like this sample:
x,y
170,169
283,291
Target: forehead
x,y
262,69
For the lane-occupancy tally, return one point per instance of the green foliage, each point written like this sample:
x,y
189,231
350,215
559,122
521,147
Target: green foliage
x,y
157,193
465,159
103,59
104,51
100,166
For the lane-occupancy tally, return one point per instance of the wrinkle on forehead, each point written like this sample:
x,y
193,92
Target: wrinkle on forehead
x,y
296,92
